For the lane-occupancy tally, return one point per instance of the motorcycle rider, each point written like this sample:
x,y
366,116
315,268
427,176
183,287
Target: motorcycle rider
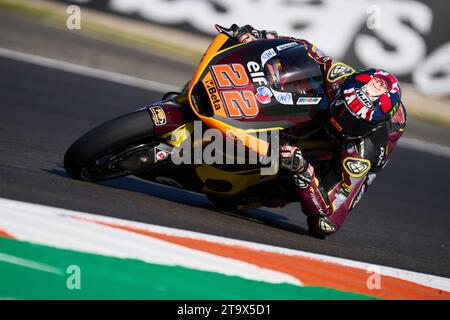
x,y
365,120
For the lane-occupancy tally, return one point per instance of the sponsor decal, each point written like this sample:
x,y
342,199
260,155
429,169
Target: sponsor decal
x,y
213,94
315,201
381,156
256,73
356,167
362,149
230,75
394,109
266,55
238,104
308,100
287,46
356,106
336,125
399,117
160,154
338,71
365,101
263,95
158,115
283,97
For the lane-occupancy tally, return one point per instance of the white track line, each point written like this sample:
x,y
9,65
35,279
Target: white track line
x,y
24,220
86,71
428,147
54,228
408,143
29,264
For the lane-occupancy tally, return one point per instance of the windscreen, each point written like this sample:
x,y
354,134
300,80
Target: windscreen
x,y
294,71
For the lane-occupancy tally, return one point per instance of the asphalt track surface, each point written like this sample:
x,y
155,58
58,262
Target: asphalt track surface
x,y
402,222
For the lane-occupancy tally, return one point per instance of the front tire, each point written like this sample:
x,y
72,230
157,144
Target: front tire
x,y
107,140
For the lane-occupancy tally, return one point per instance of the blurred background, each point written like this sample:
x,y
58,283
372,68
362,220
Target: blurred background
x,y
135,50
406,37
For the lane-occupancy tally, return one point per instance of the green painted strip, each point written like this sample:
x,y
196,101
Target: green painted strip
x,y
29,264
104,277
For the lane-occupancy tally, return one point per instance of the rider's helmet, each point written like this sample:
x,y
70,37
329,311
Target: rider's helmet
x,y
366,100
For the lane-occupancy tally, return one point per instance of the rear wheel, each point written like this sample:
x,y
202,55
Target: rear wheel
x,y
116,148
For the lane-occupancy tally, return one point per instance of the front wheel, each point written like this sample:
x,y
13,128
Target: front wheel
x,y
116,148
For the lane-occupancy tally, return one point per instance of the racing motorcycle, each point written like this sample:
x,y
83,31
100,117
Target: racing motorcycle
x,y
241,90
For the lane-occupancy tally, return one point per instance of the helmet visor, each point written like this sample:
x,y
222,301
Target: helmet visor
x,y
293,70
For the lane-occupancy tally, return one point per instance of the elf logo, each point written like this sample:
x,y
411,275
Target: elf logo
x,y
256,73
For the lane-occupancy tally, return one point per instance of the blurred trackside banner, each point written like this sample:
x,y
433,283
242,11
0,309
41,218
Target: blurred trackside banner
x,y
407,37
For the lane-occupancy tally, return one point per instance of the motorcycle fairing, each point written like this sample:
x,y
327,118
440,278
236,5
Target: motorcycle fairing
x,y
230,91
226,182
272,115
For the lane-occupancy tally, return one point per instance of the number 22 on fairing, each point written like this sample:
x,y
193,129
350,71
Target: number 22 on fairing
x,y
239,104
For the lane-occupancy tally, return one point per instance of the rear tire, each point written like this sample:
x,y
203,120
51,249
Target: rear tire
x,y
129,129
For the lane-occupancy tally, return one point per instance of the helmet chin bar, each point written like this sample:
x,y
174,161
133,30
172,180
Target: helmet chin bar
x,y
341,136
341,121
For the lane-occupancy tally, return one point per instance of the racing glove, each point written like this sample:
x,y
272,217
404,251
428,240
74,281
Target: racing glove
x,y
247,33
291,159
